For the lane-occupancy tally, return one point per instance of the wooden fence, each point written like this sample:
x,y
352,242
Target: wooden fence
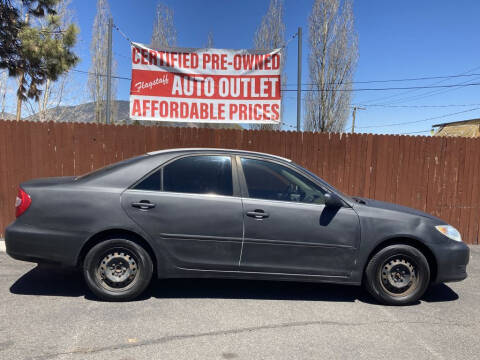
x,y
438,175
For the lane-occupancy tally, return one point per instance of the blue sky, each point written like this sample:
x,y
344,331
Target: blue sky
x,y
397,39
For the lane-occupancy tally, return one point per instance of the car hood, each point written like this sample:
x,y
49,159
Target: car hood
x,y
394,207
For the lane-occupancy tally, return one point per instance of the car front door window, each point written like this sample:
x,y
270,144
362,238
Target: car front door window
x,y
272,181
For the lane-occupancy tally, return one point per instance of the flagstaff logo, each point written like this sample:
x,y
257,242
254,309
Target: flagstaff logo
x,y
142,85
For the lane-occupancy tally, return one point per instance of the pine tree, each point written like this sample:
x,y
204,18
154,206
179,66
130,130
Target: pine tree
x,y
11,22
35,54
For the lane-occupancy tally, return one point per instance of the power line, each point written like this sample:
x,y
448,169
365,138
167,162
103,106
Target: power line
x,y
417,106
414,132
359,82
395,80
122,33
290,126
315,90
289,40
412,91
430,93
103,75
309,90
122,55
353,82
417,121
388,88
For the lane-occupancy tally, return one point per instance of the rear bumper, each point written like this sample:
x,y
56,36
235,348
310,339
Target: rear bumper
x,y
27,243
452,260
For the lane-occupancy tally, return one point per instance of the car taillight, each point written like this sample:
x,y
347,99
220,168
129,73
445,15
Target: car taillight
x,y
22,202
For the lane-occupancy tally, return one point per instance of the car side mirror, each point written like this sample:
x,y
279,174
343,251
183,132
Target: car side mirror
x,y
332,200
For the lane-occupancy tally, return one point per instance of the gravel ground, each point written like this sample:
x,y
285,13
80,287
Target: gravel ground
x,y
47,313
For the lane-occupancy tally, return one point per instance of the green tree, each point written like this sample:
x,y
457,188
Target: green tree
x,y
35,54
11,22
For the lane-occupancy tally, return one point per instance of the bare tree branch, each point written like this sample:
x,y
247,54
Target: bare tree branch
x,y
332,60
164,34
209,40
271,35
97,81
3,92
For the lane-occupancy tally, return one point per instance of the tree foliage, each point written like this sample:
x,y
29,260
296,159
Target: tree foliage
x,y
11,22
332,60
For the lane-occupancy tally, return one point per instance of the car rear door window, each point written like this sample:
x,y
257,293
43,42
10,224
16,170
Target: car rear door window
x,y
203,174
151,182
272,181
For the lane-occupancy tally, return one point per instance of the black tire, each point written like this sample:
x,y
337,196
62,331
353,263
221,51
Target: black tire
x,y
397,275
117,270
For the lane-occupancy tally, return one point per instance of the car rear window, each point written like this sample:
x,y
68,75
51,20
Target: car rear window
x,y
106,169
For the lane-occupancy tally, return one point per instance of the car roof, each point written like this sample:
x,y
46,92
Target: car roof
x,y
167,151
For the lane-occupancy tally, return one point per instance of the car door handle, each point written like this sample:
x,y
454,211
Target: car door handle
x,y
143,205
258,214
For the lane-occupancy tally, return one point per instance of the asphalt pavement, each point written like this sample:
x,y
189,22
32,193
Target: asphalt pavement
x,y
47,313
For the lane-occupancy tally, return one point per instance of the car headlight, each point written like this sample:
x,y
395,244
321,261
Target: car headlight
x,y
449,231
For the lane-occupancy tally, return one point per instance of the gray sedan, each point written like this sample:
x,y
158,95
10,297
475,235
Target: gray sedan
x,y
228,214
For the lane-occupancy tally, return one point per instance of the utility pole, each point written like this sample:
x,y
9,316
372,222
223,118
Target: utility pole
x,y
109,71
299,78
355,108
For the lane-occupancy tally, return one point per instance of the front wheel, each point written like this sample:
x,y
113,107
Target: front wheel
x,y
117,269
397,275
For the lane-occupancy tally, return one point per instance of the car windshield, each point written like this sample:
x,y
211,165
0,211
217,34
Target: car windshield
x,y
108,168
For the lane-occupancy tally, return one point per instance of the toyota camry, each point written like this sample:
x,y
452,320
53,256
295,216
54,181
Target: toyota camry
x,y
228,214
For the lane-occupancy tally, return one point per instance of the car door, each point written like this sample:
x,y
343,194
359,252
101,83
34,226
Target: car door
x,y
288,228
191,209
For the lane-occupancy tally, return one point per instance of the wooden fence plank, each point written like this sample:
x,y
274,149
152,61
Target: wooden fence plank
x,y
5,205
474,193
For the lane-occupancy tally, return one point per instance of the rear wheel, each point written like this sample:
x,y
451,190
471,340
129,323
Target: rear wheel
x,y
117,269
397,275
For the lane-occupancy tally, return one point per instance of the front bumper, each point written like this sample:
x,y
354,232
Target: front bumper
x,y
452,260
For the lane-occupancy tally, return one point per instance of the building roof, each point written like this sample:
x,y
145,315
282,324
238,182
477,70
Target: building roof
x,y
461,122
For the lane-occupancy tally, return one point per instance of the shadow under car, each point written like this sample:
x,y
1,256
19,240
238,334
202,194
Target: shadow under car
x,y
49,280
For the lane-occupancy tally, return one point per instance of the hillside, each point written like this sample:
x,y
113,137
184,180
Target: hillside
x,y
7,116
82,113
85,113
